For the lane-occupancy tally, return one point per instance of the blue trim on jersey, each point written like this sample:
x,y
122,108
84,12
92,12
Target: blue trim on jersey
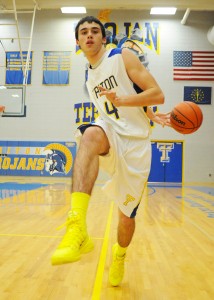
x,y
137,88
86,75
83,127
134,212
115,51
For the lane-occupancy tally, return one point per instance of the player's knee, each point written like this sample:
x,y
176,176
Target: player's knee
x,y
126,220
92,135
95,137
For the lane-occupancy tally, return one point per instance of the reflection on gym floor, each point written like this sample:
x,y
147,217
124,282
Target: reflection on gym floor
x,y
170,257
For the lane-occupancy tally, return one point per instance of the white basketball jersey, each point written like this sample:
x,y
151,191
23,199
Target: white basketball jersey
x,y
111,74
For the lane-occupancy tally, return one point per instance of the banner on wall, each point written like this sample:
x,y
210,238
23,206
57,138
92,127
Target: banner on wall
x,y
14,68
37,158
197,94
56,67
193,65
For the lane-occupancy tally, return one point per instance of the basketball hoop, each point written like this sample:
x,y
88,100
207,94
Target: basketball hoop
x,y
2,108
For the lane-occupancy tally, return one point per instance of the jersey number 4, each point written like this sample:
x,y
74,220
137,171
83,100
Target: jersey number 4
x,y
112,110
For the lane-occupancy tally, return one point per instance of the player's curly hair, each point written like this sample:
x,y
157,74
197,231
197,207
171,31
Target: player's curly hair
x,y
90,19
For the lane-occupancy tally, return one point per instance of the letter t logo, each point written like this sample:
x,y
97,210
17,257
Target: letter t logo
x,y
165,148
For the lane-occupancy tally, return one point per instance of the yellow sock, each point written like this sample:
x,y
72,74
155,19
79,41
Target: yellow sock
x,y
79,203
121,251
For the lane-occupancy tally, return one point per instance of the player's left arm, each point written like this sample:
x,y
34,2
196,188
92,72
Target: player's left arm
x,y
162,119
152,93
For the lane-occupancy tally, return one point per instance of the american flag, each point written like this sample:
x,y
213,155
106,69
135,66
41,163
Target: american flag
x,y
193,65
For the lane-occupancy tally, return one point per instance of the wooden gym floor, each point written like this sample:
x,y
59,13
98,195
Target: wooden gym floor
x,y
171,256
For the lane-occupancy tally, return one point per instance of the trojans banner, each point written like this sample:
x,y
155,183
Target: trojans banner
x,y
37,158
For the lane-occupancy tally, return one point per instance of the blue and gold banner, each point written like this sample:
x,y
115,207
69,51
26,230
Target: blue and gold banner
x,y
37,158
14,68
56,67
197,94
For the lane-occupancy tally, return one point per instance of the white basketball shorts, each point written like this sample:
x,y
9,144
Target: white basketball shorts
x,y
128,165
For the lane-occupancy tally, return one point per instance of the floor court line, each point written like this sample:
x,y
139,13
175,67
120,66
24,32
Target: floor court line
x,y
40,236
201,201
102,260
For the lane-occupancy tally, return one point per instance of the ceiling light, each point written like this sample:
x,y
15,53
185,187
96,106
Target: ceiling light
x,y
73,10
163,11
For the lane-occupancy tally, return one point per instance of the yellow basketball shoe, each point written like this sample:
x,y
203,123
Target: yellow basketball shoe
x,y
116,271
75,241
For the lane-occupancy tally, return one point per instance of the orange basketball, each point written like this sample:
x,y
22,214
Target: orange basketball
x,y
186,117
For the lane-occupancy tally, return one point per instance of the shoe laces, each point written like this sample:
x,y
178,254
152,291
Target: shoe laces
x,y
118,261
73,218
74,233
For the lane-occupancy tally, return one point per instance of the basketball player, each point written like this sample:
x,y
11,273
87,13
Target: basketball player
x,y
118,142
